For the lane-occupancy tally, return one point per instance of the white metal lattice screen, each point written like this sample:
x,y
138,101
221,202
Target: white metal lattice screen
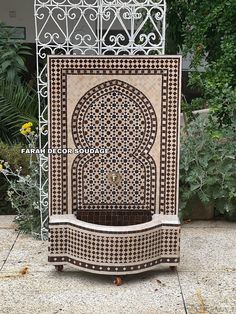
x,y
91,27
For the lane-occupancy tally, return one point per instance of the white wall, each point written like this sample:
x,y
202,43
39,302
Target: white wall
x,y
19,13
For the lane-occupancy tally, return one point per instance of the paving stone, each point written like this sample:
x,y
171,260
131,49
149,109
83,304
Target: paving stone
x,y
208,249
207,275
6,222
77,292
7,239
209,292
209,224
28,252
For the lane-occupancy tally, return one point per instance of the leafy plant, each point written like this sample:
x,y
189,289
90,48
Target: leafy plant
x,y
5,205
205,30
175,17
188,110
12,56
23,191
13,155
18,103
207,167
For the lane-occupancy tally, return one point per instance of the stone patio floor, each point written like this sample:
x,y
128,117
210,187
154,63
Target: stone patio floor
x,y
205,281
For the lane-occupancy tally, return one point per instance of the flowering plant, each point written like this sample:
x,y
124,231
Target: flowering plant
x,y
26,128
23,191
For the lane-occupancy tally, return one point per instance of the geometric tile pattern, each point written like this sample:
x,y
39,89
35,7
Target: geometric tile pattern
x,y
116,116
114,252
168,68
131,134
115,217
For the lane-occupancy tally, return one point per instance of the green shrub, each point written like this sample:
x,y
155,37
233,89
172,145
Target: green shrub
x,y
206,31
207,167
12,153
18,101
12,56
23,193
5,204
18,104
17,160
23,187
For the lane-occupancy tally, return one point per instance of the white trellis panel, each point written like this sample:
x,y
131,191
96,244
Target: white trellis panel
x,y
90,27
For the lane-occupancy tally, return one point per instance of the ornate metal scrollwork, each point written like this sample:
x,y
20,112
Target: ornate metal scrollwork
x,y
90,27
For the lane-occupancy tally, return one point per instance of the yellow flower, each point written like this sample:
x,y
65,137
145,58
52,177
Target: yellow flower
x,y
1,167
26,128
23,132
27,125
